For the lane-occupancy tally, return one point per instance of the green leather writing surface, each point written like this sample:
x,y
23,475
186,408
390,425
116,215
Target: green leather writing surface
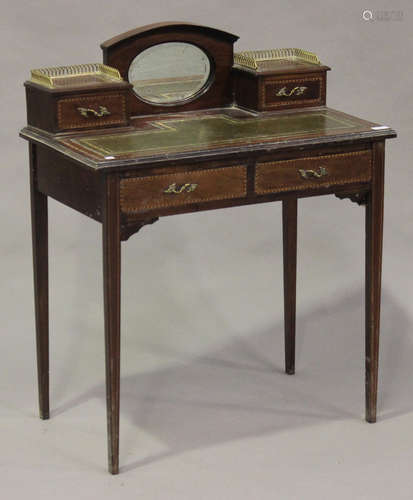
x,y
199,132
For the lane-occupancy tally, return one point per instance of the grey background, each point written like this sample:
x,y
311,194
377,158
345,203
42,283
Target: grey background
x,y
206,411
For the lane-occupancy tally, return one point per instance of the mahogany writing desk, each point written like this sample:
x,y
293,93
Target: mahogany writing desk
x,y
124,152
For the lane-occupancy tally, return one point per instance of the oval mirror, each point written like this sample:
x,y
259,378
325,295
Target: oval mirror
x,y
169,73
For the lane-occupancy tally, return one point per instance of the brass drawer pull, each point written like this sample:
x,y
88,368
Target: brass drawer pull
x,y
184,188
295,91
307,174
103,110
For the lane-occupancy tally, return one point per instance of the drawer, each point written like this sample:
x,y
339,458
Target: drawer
x,y
91,111
179,189
313,171
293,91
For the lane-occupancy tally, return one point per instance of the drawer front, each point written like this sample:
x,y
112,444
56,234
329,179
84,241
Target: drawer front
x,y
292,92
91,111
313,172
180,189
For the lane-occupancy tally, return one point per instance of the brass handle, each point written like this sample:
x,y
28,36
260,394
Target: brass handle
x,y
307,174
103,110
294,91
184,188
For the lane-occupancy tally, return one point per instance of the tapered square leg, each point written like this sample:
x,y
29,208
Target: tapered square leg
x,y
289,210
111,279
374,244
41,284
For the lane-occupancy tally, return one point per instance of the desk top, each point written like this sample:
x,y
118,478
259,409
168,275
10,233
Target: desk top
x,y
212,133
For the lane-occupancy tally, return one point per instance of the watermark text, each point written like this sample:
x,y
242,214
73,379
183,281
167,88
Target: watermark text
x,y
382,15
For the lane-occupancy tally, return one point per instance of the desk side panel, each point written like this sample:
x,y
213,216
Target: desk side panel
x,y
68,182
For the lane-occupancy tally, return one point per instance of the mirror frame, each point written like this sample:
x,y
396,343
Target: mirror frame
x,y
120,51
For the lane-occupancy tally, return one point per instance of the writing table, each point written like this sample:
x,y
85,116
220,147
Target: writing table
x,y
183,161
